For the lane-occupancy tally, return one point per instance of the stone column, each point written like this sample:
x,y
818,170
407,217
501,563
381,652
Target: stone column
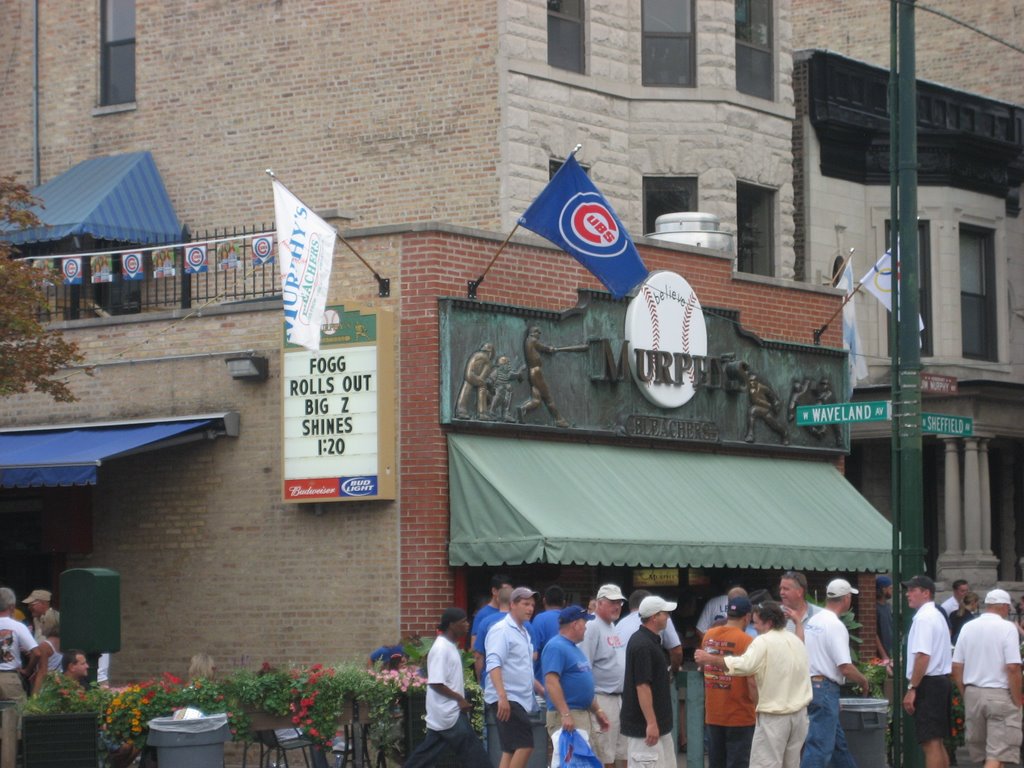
x,y
1008,546
972,498
953,513
985,497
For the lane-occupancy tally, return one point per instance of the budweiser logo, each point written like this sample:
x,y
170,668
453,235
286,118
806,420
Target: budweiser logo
x,y
324,488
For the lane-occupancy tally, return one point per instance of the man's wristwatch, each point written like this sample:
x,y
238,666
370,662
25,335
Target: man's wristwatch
x,y
910,687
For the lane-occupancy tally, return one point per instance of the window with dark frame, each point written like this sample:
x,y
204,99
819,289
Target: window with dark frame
x,y
117,65
667,194
977,293
924,287
565,34
754,55
755,232
668,43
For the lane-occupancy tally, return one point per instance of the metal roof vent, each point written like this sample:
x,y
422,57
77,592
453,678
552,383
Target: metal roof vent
x,y
692,228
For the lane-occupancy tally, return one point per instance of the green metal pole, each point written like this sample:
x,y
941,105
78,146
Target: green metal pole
x,y
898,719
907,410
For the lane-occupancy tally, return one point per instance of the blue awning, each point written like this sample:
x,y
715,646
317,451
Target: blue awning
x,y
120,198
69,455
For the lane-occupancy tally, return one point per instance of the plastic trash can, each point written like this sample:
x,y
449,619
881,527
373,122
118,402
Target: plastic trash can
x,y
196,743
864,721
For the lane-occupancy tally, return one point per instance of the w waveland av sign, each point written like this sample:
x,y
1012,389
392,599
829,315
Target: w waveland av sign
x,y
843,413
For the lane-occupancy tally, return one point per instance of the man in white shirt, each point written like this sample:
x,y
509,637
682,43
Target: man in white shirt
x,y
792,592
929,662
15,640
952,603
447,708
828,653
986,670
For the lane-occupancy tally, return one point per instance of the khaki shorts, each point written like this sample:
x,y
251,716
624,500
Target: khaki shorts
x,y
993,725
609,745
661,755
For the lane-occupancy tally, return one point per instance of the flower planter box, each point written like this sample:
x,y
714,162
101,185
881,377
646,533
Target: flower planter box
x,y
60,741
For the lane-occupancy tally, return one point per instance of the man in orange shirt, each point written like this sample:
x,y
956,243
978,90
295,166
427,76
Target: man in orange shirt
x,y
729,701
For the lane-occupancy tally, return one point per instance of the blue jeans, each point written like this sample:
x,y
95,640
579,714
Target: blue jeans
x,y
729,745
460,738
825,741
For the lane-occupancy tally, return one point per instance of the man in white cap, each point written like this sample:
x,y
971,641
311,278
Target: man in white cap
x,y
987,671
605,648
646,717
38,603
828,654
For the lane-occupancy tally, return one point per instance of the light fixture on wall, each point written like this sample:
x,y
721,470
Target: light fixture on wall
x,y
248,367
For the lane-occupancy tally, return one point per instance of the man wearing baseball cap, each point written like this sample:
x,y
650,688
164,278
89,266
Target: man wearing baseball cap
x,y
605,648
646,718
929,663
568,679
509,667
38,603
828,655
987,671
728,704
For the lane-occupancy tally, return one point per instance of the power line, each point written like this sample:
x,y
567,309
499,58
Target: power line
x,y
961,23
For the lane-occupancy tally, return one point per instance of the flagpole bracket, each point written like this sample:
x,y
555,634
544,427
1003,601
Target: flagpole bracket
x,y
472,286
818,332
383,286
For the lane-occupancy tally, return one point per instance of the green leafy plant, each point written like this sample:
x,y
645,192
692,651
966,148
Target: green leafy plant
x,y
61,695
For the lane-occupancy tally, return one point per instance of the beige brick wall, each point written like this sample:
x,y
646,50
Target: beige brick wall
x,y
387,110
947,53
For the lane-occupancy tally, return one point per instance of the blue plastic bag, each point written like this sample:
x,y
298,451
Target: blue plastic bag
x,y
575,752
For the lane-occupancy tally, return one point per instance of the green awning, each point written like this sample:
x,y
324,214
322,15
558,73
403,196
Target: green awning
x,y
530,501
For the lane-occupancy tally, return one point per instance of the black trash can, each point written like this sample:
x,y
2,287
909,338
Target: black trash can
x,y
864,721
195,743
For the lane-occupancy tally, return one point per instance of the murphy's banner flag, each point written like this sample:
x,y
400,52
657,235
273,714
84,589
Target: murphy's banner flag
x,y
573,215
305,245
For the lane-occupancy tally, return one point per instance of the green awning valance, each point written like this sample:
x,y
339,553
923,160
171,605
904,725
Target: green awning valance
x,y
528,501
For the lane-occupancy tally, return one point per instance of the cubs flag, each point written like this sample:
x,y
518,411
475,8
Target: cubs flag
x,y
857,366
878,281
305,245
573,215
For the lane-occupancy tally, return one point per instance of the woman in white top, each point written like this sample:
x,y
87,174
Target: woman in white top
x,y
49,651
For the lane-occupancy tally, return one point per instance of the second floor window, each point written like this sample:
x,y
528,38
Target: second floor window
x,y
668,49
755,235
667,194
754,57
977,294
565,34
117,62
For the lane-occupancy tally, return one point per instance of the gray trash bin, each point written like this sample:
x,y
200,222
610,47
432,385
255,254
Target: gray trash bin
x,y
197,743
538,720
864,721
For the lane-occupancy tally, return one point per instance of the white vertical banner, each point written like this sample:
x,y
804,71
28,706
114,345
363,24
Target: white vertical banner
x,y
858,367
305,245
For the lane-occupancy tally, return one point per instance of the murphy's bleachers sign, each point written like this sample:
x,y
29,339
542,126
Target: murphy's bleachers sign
x,y
658,368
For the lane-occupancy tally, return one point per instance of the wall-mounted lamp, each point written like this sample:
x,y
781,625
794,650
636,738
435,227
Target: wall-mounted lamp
x,y
248,368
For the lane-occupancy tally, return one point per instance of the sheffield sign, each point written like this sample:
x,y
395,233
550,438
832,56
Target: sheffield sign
x,y
338,418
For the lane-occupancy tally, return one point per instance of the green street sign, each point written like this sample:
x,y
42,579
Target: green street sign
x,y
843,413
945,424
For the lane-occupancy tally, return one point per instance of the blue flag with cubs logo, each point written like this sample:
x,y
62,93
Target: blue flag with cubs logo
x,y
573,215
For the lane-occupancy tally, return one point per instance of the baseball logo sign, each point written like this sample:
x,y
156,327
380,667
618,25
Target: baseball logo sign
x,y
72,269
195,258
131,266
665,329
589,226
262,250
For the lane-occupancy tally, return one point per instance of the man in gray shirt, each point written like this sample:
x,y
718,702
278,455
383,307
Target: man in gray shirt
x,y
605,648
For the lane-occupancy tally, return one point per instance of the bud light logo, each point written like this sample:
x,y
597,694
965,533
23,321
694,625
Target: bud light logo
x,y
359,486
589,226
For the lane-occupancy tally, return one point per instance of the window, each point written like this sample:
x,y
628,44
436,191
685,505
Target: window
x,y
754,73
755,235
667,194
668,49
924,283
117,67
565,34
977,293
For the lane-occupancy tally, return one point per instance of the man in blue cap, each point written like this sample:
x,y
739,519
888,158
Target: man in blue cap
x,y
883,617
568,679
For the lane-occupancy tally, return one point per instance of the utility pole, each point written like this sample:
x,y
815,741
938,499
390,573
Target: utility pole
x,y
907,511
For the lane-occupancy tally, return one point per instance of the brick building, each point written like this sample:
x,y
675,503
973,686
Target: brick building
x,y
382,125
